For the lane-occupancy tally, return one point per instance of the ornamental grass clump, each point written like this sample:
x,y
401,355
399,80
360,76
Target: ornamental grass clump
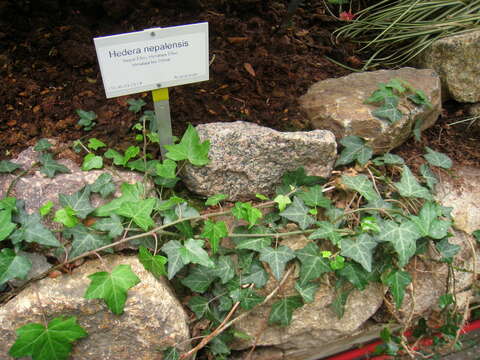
x,y
393,32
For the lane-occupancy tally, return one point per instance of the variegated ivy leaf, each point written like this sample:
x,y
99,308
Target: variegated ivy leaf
x,y
326,230
429,176
438,159
362,185
359,249
277,259
409,186
355,148
84,240
282,310
298,212
398,280
403,237
8,166
428,222
313,263
79,202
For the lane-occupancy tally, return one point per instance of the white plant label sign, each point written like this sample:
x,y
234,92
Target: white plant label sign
x,y
152,59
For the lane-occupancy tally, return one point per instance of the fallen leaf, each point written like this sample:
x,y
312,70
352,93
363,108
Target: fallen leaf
x,y
54,274
249,68
237,39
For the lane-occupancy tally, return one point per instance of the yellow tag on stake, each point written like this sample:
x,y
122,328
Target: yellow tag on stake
x,y
160,94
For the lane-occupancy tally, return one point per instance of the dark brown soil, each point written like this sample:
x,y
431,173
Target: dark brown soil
x,y
49,69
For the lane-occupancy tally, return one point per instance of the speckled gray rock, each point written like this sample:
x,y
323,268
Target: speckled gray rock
x,y
247,159
455,59
153,318
36,189
338,105
461,192
313,325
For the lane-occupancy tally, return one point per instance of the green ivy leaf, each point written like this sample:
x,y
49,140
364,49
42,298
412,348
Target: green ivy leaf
x,y
409,186
103,185
362,185
13,266
388,159
42,145
360,250
130,193
254,243
92,161
32,230
171,353
224,269
8,166
354,149
282,201
86,118
193,252
428,223
307,291
79,202
6,225
199,279
337,263
152,263
167,169
445,300
476,234
136,105
398,280
112,287
389,111
43,210
313,263
403,237
175,260
326,230
257,275
214,231
84,240
380,94
369,223
417,130
215,199
247,297
245,211
314,197
355,274
282,310
95,144
199,305
447,250
53,342
130,153
190,148
419,98
66,216
117,158
139,211
298,212
438,159
277,259
338,304
429,176
299,178
50,167
396,84
112,224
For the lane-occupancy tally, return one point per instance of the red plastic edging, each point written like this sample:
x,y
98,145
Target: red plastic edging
x,y
370,348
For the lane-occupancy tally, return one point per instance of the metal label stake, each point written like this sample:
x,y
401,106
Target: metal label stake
x,y
163,120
